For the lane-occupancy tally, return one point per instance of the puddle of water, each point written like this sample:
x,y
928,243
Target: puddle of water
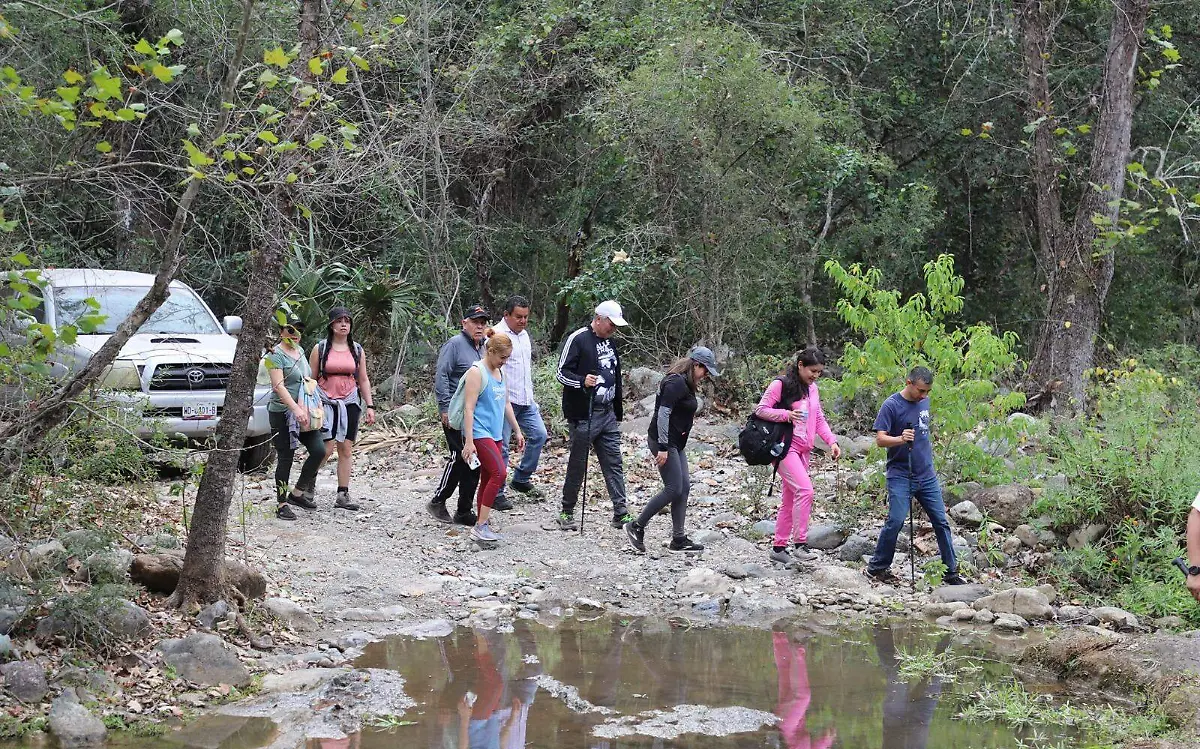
x,y
484,690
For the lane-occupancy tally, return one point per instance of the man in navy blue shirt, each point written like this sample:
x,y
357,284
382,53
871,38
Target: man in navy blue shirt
x,y
902,426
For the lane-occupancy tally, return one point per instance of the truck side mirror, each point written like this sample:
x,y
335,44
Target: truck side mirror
x,y
233,324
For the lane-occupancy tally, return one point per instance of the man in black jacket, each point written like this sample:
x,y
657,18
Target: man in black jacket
x,y
590,371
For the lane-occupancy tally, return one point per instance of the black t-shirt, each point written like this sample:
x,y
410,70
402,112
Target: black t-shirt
x,y
674,394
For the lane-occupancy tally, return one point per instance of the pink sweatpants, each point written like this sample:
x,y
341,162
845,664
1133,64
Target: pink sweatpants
x,y
797,498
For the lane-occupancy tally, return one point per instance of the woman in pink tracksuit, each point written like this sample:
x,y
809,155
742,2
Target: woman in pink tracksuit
x,y
794,398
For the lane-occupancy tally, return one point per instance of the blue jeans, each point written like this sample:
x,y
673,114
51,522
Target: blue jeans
x,y
534,429
929,493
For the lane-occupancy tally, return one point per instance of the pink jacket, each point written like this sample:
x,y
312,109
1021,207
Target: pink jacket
x,y
802,434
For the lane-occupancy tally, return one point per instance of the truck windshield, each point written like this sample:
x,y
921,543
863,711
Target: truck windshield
x,y
182,313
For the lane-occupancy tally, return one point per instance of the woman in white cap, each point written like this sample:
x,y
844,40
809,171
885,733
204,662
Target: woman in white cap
x,y
674,410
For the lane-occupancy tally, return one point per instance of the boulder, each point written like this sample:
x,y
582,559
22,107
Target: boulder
x,y
984,617
825,537
588,604
6,647
841,578
73,725
1075,615
1086,536
737,571
1035,538
938,609
750,605
46,560
642,382
764,527
210,615
703,581
156,541
1027,603
84,541
126,620
204,659
25,680
159,573
965,513
957,493
8,619
959,593
856,447
1010,623
291,614
855,548
1115,617
1011,545
353,641
1006,504
107,566
708,537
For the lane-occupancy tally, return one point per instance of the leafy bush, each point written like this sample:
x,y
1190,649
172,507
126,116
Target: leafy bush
x,y
547,391
967,362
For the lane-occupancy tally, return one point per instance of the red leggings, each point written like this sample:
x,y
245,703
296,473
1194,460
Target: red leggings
x,y
492,470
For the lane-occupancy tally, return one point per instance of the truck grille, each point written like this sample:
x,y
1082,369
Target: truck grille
x,y
190,377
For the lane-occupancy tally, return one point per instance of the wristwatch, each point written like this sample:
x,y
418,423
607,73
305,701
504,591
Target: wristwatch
x,y
1185,568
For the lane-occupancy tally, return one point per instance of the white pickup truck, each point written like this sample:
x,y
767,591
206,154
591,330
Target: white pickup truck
x,y
174,369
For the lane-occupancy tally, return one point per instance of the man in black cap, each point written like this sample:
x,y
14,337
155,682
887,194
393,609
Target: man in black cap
x,y
455,358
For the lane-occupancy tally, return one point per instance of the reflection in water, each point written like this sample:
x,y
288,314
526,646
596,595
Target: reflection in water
x,y
908,707
795,694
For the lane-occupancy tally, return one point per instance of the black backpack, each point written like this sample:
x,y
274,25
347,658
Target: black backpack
x,y
763,442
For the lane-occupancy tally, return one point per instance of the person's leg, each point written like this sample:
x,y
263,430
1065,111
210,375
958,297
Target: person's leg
x,y
607,441
284,455
576,464
885,549
345,453
929,494
452,473
670,492
790,470
530,419
316,455
804,502
333,424
679,504
492,473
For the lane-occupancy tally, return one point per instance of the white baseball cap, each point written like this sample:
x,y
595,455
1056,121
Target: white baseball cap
x,y
612,311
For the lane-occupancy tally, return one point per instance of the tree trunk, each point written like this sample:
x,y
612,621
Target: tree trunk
x,y
562,311
481,251
1078,265
202,578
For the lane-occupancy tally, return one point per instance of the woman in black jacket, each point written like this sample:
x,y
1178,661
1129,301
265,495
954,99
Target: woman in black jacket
x,y
674,410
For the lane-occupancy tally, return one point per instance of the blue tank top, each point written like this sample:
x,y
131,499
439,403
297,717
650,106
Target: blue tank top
x,y
489,409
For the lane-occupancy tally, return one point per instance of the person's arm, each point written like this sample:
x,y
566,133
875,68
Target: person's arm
x,y
822,425
883,428
1193,549
471,392
314,361
618,400
766,405
364,387
441,381
673,389
280,388
568,364
512,423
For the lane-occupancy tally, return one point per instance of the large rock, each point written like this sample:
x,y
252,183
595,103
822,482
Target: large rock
x,y
1035,538
126,620
853,448
107,566
966,514
855,548
959,593
159,573
753,605
1006,504
1010,623
704,581
291,613
204,659
25,680
46,560
72,725
1115,617
210,615
764,527
8,619
84,541
642,382
826,537
1086,536
1028,603
841,578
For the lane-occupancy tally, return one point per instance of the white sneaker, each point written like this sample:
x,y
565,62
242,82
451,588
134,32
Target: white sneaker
x,y
483,533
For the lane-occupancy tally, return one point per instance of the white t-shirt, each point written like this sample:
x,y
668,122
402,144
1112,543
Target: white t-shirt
x,y
1196,502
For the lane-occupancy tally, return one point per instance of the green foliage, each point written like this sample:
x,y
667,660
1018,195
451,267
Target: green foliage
x,y
547,393
86,617
16,727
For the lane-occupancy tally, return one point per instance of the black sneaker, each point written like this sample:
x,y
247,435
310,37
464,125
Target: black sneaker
x,y
566,522
884,576
301,501
955,579
465,518
636,536
684,545
343,501
283,512
502,504
619,521
529,490
438,511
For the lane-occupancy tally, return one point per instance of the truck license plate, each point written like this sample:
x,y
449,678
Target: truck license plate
x,y
200,411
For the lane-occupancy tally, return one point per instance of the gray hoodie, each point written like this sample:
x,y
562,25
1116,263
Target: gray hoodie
x,y
455,358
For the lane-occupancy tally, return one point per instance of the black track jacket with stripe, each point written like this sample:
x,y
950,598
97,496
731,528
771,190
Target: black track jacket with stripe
x,y
586,353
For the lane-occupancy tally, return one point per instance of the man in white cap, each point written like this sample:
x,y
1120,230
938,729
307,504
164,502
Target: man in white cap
x,y
590,371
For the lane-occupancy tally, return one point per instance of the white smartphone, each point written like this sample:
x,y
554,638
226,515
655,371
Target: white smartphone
x,y
473,462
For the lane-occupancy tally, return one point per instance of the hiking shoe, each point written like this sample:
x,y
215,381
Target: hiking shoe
x,y
636,536
529,490
502,504
466,518
343,502
884,576
283,512
619,521
684,545
566,522
781,556
302,501
955,579
438,511
483,534
800,553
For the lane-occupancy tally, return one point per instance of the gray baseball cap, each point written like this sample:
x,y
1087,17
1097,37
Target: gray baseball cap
x,y
704,356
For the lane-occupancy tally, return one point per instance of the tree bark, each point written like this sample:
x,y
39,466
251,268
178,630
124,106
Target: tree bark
x,y
481,251
203,576
1078,266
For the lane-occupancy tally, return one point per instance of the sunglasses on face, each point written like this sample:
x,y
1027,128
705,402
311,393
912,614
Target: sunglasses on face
x,y
288,329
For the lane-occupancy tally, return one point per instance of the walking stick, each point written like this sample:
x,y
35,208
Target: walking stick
x,y
586,457
912,549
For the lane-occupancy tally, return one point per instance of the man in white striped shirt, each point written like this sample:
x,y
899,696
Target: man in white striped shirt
x,y
518,377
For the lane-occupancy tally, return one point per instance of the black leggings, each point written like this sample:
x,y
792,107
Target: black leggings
x,y
286,455
676,487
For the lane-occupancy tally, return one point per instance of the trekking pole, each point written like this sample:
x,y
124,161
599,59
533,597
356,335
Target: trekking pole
x,y
587,456
912,549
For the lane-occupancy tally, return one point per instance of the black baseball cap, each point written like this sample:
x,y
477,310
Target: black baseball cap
x,y
289,320
476,311
337,313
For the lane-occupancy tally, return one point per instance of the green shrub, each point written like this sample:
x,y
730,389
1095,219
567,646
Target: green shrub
x,y
547,391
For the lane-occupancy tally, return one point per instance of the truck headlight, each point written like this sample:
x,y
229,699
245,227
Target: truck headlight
x,y
122,375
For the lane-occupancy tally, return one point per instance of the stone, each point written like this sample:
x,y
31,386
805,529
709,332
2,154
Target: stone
x,y
841,578
1075,615
358,614
126,620
707,537
1035,538
353,641
1170,622
959,593
204,659
25,680
213,613
956,493
291,614
588,604
72,724
107,566
8,619
758,604
157,541
431,628
1010,623
1011,545
995,447
1086,536
1115,617
304,680
938,609
1023,421
82,541
764,527
159,573
1006,504
642,382
1027,603
6,647
737,572
984,617
647,403
965,513
964,614
1049,591
703,581
856,447
825,537
855,548
46,560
